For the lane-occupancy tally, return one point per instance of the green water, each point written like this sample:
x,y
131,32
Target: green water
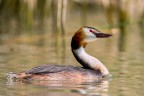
x,y
22,48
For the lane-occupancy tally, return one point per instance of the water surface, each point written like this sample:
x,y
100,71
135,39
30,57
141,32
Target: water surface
x,y
123,55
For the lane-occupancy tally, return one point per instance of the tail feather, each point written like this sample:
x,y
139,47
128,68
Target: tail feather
x,y
11,76
20,76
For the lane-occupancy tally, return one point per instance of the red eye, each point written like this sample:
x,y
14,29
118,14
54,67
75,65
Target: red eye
x,y
91,30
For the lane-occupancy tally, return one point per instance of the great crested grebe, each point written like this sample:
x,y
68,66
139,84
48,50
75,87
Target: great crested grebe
x,y
92,68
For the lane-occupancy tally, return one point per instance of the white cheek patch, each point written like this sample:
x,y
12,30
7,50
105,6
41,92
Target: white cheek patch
x,y
86,31
89,36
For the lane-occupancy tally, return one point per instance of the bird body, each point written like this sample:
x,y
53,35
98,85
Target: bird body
x,y
92,68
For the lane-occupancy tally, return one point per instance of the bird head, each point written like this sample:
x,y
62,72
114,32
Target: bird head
x,y
87,34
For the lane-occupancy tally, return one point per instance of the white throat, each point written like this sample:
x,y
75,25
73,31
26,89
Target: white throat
x,y
89,61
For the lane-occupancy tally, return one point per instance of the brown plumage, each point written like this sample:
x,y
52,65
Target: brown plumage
x,y
59,72
78,40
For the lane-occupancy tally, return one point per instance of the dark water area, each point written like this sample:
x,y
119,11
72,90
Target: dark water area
x,y
43,39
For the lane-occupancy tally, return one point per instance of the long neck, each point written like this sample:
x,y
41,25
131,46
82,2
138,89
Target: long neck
x,y
88,61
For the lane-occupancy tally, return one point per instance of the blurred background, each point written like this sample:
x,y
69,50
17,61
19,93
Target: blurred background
x,y
36,32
